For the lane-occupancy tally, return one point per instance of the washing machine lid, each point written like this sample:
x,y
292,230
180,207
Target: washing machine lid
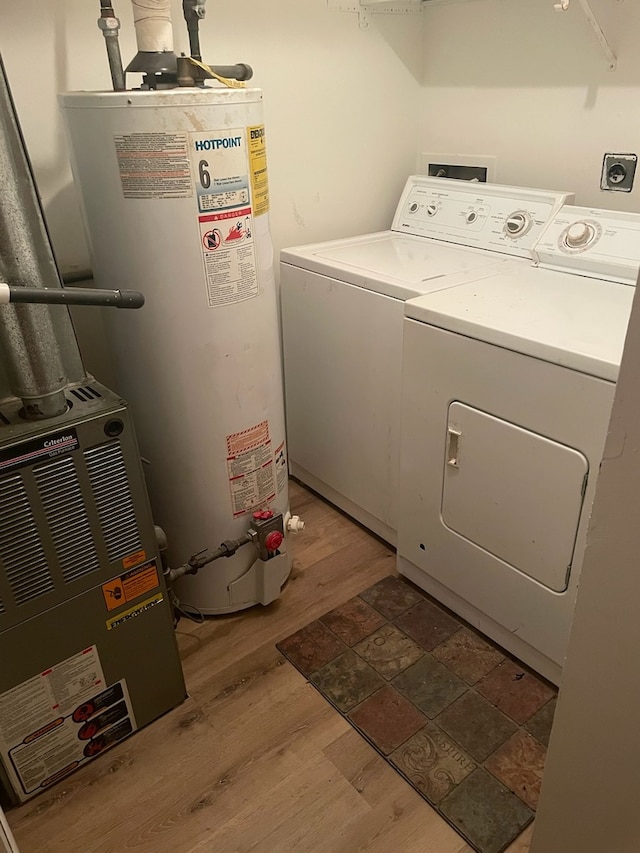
x,y
397,265
570,320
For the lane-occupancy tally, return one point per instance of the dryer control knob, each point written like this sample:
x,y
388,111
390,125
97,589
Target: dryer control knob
x,y
579,235
517,224
432,209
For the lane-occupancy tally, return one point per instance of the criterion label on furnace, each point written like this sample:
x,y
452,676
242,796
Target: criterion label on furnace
x,y
46,447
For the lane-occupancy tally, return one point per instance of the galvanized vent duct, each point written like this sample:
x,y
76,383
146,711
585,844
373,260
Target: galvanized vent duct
x,y
41,353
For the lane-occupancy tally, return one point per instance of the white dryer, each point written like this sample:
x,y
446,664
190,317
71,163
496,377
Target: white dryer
x,y
342,314
501,444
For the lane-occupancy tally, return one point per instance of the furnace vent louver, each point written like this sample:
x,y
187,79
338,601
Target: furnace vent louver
x,y
86,394
67,517
108,476
20,548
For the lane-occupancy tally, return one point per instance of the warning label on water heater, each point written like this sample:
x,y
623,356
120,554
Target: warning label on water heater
x,y
154,165
250,467
220,165
59,719
259,177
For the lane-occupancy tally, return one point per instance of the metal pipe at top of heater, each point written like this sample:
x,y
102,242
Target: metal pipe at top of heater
x,y
33,359
194,12
110,28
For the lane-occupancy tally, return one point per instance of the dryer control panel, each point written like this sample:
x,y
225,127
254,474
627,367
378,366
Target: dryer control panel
x,y
602,244
482,216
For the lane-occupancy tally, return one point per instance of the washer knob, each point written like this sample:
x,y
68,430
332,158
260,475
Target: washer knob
x,y
432,209
413,207
517,224
579,235
471,216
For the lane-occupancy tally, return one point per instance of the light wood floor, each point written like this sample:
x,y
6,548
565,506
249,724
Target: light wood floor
x,y
255,760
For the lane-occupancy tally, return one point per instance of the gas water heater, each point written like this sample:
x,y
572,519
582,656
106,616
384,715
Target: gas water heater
x,y
173,179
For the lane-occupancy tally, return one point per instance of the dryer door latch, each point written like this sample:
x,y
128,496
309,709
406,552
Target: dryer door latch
x,y
453,446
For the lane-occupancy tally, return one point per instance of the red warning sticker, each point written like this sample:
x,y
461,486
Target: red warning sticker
x,y
250,468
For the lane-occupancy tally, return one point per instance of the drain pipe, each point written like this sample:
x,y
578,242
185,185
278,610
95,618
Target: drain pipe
x,y
33,360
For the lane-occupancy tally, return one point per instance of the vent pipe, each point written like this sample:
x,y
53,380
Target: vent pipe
x,y
155,58
39,347
152,19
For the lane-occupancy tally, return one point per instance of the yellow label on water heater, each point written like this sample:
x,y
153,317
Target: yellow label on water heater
x,y
258,169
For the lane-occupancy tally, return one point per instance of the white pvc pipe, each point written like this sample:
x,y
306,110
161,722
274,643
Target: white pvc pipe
x,y
152,19
5,294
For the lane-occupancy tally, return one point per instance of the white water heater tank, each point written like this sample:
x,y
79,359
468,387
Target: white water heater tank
x,y
175,194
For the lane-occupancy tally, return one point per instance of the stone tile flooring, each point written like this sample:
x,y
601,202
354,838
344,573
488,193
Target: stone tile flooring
x,y
464,723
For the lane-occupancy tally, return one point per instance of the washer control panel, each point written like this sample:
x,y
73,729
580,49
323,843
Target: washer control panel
x,y
592,242
503,219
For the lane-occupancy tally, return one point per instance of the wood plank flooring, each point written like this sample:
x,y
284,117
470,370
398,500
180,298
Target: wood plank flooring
x,y
255,760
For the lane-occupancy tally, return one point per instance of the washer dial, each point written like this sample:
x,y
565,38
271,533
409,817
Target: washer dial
x,y
471,216
414,207
517,224
432,209
580,235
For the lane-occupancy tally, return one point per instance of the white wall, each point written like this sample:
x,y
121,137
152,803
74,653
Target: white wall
x,y
348,110
516,79
340,104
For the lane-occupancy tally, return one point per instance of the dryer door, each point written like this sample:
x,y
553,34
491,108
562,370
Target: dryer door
x,y
513,493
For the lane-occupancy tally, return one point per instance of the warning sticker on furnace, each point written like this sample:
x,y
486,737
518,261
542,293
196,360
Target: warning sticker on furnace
x,y
130,585
65,743
154,165
60,718
225,216
250,467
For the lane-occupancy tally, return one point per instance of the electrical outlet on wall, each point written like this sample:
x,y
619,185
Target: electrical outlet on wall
x,y
618,172
465,167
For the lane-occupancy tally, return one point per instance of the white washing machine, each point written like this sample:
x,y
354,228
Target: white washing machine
x,y
342,313
501,444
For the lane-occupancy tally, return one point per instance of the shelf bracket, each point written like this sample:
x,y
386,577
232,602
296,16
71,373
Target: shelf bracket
x,y
365,8
585,5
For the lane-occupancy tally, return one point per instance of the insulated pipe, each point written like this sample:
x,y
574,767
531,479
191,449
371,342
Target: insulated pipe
x,y
152,19
33,360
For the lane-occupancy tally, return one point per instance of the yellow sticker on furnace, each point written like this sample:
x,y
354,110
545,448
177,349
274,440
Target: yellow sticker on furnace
x,y
133,612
